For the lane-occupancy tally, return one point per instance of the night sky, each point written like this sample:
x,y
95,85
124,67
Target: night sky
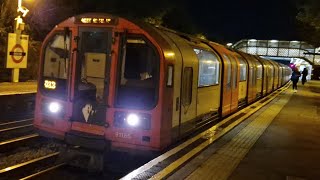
x,y
232,20
219,20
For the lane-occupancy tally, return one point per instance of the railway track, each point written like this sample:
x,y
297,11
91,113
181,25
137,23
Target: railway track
x,y
18,139
14,143
115,169
14,129
29,169
5,126
46,167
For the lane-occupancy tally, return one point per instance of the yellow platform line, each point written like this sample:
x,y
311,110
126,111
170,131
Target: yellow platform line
x,y
211,134
221,165
175,165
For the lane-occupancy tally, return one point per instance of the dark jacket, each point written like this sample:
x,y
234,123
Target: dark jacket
x,y
304,73
295,76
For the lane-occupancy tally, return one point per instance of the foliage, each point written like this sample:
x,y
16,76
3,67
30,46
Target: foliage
x,y
309,20
44,15
7,16
309,12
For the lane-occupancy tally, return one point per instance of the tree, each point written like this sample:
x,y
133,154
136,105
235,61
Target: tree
x,y
7,16
309,20
44,15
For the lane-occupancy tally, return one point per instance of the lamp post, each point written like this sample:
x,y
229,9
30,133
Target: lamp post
x,y
22,11
17,44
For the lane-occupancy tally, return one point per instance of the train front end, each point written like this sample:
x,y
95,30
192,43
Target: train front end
x,y
100,85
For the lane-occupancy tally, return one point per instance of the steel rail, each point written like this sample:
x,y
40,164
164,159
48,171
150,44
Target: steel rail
x,y
15,128
16,122
15,140
43,171
25,164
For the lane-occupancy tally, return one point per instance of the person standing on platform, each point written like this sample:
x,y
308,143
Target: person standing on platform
x,y
295,78
304,76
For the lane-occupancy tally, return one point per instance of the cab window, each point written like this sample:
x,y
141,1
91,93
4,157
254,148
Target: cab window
x,y
138,73
55,67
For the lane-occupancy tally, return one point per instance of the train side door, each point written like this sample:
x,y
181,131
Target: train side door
x,y
92,78
184,85
269,78
234,84
227,93
188,104
251,91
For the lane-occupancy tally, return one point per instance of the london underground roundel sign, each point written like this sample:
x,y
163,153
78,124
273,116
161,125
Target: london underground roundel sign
x,y
17,53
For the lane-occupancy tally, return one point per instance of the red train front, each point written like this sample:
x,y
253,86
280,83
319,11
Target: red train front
x,y
99,85
108,83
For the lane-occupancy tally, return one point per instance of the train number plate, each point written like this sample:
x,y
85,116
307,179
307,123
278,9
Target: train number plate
x,y
123,135
50,84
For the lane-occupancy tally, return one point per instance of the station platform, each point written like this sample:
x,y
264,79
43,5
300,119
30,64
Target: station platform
x,y
281,141
10,88
275,138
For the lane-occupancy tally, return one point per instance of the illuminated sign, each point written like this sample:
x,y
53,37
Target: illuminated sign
x,y
96,20
50,84
136,41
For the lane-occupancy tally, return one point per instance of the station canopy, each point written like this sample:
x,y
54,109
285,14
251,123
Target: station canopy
x,y
283,49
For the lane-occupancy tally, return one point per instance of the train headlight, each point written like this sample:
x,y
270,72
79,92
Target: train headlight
x,y
133,120
54,107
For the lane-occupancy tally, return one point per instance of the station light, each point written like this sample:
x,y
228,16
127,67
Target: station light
x,y
274,41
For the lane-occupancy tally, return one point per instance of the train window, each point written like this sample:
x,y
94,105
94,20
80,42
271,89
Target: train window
x,y
56,65
56,60
94,50
208,68
138,74
170,76
259,70
228,63
252,75
271,71
235,72
187,86
243,69
95,41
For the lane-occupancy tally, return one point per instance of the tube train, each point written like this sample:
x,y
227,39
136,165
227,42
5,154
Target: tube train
x,y
109,83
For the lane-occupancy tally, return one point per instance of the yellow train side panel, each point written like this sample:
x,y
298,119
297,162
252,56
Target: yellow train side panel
x,y
259,85
208,99
242,90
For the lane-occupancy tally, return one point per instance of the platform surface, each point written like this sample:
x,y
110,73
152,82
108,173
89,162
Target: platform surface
x,y
7,88
281,142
